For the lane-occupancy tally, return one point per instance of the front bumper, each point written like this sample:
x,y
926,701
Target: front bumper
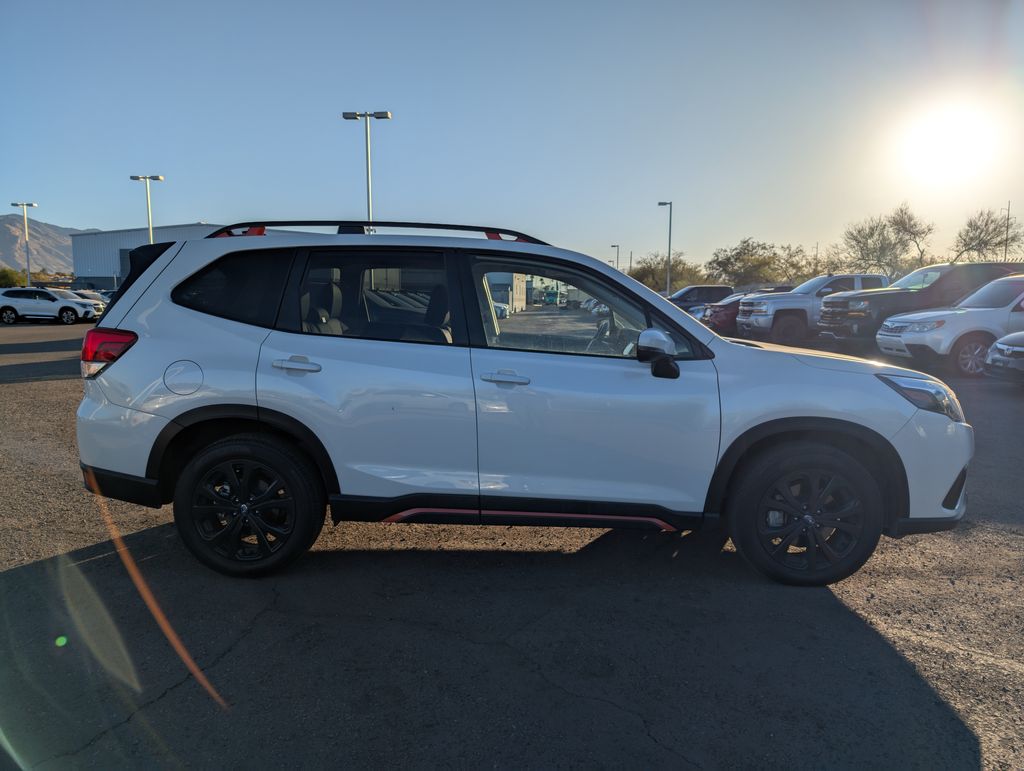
x,y
935,453
842,327
1004,367
759,325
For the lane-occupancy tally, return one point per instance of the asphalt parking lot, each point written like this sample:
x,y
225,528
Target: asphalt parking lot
x,y
430,645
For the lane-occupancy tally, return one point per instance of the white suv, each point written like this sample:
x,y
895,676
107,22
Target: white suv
x,y
253,381
960,335
39,303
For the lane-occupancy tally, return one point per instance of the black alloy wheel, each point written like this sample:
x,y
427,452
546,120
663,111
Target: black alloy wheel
x,y
249,504
809,520
242,510
805,513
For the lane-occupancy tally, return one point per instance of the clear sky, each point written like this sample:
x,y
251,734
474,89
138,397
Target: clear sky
x,y
569,120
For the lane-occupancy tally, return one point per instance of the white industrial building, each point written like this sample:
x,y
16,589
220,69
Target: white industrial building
x,y
101,258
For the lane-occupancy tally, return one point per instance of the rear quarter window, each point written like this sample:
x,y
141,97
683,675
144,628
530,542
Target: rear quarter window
x,y
241,286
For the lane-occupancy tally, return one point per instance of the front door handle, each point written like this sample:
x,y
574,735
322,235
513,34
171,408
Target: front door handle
x,y
297,364
505,376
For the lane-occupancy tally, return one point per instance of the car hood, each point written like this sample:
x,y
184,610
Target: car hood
x,y
1017,338
869,294
836,362
934,314
770,296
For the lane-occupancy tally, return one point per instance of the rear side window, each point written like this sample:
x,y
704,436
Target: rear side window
x,y
380,295
242,286
871,282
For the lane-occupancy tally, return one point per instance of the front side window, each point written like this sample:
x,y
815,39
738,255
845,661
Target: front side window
x,y
533,306
844,284
871,282
379,295
242,286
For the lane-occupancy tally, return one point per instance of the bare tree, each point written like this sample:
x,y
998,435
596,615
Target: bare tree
x,y
985,235
915,231
874,245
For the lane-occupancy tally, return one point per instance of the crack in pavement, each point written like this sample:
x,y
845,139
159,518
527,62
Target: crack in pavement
x,y
246,631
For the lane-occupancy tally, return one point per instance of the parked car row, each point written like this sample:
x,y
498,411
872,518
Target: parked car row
x,y
951,314
42,303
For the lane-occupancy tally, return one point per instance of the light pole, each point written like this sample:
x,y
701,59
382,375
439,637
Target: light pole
x,y
616,248
366,116
668,263
630,260
1006,240
149,205
24,215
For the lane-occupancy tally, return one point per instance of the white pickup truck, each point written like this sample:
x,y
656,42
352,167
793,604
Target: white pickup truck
x,y
789,317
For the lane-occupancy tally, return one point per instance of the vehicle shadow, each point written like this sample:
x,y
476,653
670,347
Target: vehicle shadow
x,y
637,650
27,372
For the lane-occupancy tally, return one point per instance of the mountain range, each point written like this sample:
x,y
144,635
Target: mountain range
x,y
49,245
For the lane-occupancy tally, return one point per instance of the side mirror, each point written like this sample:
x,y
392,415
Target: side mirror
x,y
653,344
656,347
825,290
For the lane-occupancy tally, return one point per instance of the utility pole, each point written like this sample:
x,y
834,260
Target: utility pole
x,y
668,261
1006,240
630,260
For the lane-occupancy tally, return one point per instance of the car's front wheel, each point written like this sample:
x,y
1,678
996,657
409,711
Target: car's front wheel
x,y
248,505
805,513
968,355
67,316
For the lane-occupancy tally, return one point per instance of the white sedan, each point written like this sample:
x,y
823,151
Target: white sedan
x,y
960,335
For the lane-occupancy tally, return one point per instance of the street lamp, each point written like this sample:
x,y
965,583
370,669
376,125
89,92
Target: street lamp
x,y
24,214
616,248
366,116
149,206
668,262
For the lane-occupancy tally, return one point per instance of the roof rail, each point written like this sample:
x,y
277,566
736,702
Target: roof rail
x,y
350,227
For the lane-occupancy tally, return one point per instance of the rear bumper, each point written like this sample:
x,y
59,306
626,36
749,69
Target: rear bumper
x,y
122,487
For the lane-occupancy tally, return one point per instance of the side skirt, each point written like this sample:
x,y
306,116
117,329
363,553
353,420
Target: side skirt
x,y
455,509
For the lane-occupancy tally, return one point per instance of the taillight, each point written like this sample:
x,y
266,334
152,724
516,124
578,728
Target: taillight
x,y
103,347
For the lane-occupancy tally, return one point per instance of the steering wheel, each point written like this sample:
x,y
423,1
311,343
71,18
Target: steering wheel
x,y
601,341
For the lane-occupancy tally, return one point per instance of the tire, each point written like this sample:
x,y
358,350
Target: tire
x,y
8,315
789,330
811,546
215,491
967,357
67,316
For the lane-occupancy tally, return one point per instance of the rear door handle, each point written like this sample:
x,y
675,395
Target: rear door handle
x,y
506,376
297,363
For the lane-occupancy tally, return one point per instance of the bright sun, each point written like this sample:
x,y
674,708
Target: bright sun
x,y
950,142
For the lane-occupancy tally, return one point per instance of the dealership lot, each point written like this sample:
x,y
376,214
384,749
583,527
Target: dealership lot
x,y
497,646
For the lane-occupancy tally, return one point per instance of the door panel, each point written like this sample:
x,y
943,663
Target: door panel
x,y
396,418
596,429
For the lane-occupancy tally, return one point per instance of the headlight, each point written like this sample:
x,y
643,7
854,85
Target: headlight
x,y
859,305
925,326
87,306
928,395
758,307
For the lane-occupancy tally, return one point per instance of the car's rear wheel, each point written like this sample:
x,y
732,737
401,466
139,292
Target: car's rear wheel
x,y
805,513
789,330
968,355
248,505
8,315
67,316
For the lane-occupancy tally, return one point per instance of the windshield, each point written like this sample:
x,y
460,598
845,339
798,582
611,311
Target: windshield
x,y
65,294
809,286
921,278
998,294
89,295
732,298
